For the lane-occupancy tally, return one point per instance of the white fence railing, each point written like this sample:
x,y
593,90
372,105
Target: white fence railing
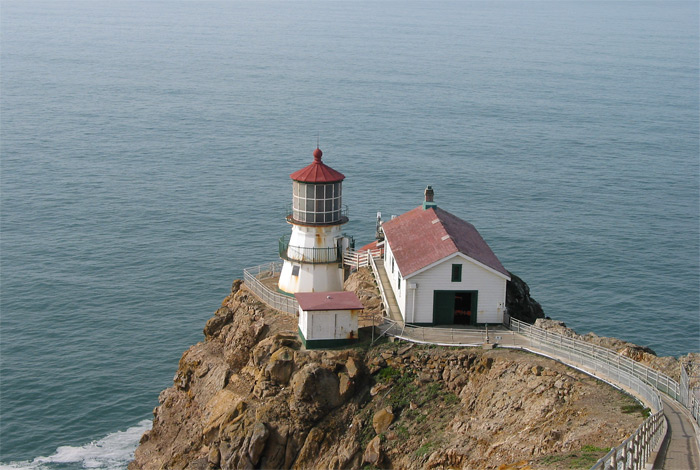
x,y
253,278
439,336
689,393
380,284
359,259
633,452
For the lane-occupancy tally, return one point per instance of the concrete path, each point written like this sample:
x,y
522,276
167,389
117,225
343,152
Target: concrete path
x,y
680,449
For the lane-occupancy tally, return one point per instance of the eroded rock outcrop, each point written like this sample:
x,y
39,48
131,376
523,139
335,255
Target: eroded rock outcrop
x,y
519,303
250,396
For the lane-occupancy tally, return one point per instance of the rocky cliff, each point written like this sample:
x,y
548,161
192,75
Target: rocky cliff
x,y
249,396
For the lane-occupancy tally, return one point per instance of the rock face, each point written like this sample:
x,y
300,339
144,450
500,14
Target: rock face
x,y
519,303
250,397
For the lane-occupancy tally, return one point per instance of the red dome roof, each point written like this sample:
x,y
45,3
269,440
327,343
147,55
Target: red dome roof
x,y
317,172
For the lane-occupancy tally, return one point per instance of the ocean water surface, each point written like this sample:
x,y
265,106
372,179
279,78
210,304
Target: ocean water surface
x,y
146,149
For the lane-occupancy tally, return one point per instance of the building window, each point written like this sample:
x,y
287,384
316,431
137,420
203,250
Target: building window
x,y
295,270
399,283
392,265
456,273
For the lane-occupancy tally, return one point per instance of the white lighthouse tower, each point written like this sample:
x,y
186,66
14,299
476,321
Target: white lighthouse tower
x,y
313,254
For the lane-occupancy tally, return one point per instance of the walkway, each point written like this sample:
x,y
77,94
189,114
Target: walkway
x,y
680,447
392,309
680,450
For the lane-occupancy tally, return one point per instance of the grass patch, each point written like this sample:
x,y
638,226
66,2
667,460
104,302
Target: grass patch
x,y
425,449
636,408
387,374
402,432
403,393
586,458
450,398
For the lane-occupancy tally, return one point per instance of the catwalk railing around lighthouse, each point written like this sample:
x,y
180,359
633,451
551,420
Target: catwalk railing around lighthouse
x,y
309,255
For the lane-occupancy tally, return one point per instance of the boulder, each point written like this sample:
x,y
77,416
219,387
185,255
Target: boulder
x,y
373,452
280,366
382,419
257,442
345,386
274,455
220,410
352,367
317,384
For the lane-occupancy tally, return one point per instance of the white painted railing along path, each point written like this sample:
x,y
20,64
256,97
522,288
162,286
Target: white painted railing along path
x,y
460,337
634,452
253,279
359,259
380,284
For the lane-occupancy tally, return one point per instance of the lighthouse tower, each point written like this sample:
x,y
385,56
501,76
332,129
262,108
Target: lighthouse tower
x,y
313,254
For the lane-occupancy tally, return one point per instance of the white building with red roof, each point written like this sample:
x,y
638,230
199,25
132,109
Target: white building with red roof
x,y
441,270
328,319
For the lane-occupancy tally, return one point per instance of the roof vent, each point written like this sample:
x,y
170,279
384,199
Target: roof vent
x,y
445,237
428,203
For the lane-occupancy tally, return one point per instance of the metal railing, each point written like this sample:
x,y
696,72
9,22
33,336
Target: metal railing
x,y
380,284
598,358
441,336
253,278
689,394
607,364
306,254
634,452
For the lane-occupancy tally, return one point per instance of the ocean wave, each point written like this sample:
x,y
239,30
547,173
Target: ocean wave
x,y
112,452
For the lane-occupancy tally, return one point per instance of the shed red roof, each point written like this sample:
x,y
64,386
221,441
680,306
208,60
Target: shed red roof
x,y
421,237
317,172
342,300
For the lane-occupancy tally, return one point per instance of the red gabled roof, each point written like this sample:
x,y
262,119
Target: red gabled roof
x,y
421,237
317,172
342,300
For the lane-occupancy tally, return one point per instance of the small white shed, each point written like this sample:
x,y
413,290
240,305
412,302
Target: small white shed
x,y
441,270
328,319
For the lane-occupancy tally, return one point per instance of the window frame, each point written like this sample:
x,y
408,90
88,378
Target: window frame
x,y
457,272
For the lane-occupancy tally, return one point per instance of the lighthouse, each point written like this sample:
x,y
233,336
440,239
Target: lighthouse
x,y
313,254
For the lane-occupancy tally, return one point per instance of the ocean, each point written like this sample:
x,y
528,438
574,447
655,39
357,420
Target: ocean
x,y
146,148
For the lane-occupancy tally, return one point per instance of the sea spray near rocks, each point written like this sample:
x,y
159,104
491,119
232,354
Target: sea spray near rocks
x,y
113,452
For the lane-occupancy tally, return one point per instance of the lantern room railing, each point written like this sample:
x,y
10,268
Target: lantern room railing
x,y
307,254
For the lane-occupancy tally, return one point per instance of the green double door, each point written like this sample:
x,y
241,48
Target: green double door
x,y
455,307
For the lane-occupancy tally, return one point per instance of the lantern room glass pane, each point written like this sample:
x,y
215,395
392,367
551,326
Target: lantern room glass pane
x,y
309,191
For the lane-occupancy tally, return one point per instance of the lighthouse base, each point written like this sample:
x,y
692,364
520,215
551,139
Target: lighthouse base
x,y
301,277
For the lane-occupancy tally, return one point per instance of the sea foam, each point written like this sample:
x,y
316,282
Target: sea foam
x,y
112,452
